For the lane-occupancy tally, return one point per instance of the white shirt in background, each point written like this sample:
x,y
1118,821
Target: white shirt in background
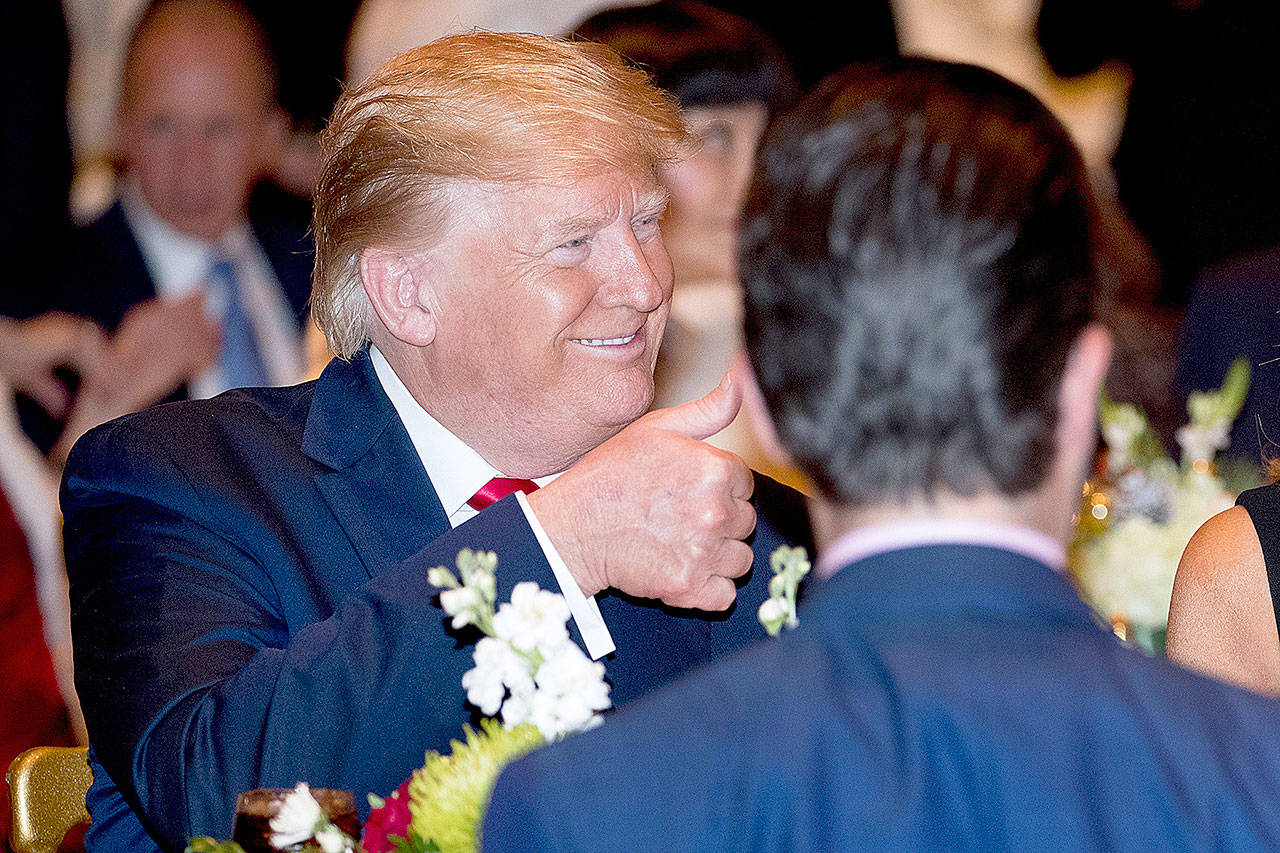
x,y
179,265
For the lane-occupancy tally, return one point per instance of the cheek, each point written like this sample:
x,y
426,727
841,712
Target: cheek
x,y
151,157
236,163
529,329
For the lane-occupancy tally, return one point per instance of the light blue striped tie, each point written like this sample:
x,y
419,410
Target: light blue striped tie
x,y
241,360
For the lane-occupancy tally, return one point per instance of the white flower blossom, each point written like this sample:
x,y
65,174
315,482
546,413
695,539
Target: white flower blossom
x,y
773,612
570,672
333,840
498,667
516,709
484,689
297,819
460,603
1203,441
571,688
441,577
534,619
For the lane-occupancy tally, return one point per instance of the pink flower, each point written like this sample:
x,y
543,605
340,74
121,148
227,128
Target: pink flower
x,y
392,818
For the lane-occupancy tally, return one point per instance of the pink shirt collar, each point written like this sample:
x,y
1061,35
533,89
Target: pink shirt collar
x,y
863,542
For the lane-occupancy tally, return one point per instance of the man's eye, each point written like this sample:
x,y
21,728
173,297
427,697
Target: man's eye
x,y
160,126
576,243
647,225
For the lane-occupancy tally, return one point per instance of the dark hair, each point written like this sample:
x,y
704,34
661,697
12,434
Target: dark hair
x,y
702,55
918,261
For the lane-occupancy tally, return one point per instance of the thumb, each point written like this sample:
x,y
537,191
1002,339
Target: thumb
x,y
704,417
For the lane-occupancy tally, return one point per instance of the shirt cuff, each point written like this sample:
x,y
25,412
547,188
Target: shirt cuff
x,y
584,610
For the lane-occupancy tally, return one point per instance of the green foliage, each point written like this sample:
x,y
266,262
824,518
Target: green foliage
x,y
1223,405
205,844
1138,442
448,795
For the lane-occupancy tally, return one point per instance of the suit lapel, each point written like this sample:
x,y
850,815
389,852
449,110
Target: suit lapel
x,y
132,283
377,488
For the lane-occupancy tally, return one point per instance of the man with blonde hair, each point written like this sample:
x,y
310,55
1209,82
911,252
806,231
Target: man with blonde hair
x,y
249,573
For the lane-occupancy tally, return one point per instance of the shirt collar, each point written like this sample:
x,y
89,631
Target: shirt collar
x,y
456,470
874,539
178,262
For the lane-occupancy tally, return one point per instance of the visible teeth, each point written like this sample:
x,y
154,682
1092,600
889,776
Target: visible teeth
x,y
604,342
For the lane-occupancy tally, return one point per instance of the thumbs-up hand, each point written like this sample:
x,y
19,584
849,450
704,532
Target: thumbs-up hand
x,y
655,511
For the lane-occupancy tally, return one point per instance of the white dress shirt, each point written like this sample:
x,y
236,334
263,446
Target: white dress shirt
x,y
457,472
179,265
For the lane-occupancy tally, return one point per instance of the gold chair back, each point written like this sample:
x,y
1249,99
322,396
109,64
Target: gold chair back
x,y
47,787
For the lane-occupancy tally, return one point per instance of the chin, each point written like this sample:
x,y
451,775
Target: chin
x,y
624,403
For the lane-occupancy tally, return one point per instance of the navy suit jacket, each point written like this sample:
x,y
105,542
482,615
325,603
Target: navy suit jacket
x,y
950,698
250,605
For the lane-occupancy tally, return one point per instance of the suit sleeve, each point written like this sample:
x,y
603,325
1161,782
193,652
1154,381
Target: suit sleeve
x,y
201,677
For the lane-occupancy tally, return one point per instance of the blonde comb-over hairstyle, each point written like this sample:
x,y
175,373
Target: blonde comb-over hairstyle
x,y
483,106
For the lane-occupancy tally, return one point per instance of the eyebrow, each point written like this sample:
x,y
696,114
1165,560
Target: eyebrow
x,y
653,201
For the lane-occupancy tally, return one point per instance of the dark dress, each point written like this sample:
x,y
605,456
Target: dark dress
x,y
1263,506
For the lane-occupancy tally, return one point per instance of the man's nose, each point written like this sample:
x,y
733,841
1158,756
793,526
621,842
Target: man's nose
x,y
193,153
640,278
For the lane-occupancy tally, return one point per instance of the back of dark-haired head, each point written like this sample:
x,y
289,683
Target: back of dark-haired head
x,y
918,262
700,54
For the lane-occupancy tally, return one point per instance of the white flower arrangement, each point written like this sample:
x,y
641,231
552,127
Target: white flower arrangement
x,y
529,674
527,668
1140,512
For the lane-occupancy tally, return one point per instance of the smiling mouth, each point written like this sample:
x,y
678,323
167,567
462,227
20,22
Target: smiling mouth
x,y
605,342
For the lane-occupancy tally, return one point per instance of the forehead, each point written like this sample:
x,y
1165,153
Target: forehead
x,y
544,206
180,64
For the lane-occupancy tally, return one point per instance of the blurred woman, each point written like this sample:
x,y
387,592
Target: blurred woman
x,y
729,76
1222,619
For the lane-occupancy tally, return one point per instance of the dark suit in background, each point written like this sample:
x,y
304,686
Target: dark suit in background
x,y
1235,312
111,275
35,147
948,698
106,275
250,606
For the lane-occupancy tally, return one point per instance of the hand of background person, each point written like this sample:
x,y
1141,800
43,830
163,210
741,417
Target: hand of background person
x,y
31,350
160,345
655,511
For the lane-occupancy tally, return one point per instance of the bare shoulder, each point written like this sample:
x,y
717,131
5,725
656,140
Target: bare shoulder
x,y
1221,621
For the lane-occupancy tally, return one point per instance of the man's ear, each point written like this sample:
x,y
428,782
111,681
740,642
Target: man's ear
x,y
401,297
758,417
1082,379
1076,430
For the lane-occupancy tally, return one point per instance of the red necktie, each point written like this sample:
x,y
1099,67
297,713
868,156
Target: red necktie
x,y
497,489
